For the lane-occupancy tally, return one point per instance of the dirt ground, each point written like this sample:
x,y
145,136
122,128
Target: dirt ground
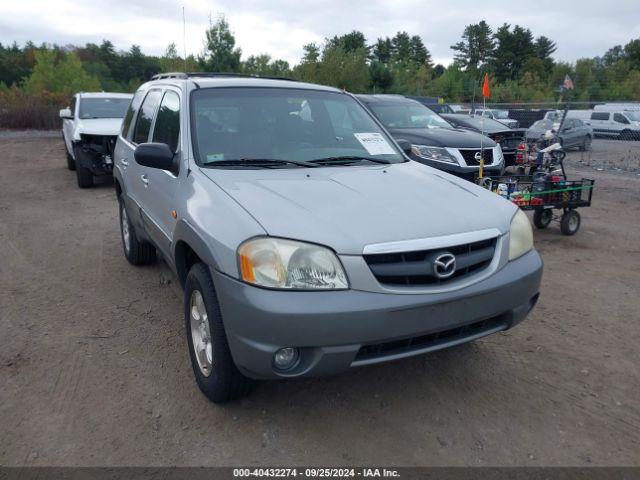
x,y
94,368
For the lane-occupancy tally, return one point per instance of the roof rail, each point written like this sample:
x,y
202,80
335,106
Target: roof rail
x,y
185,75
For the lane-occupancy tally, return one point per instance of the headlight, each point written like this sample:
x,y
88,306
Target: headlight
x,y
520,236
437,154
287,264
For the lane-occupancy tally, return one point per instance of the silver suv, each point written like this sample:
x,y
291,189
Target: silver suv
x,y
306,241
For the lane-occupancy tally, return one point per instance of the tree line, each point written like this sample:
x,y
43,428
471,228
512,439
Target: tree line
x,y
521,66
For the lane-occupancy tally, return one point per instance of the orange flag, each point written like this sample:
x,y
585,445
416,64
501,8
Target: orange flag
x,y
485,86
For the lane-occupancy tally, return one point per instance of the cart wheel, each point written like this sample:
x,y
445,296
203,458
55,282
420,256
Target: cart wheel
x,y
486,182
570,222
542,218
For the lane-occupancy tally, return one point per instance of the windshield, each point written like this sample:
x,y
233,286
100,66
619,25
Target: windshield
x,y
480,122
501,114
104,107
283,124
543,125
633,116
407,115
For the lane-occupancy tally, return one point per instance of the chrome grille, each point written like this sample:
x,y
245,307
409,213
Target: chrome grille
x,y
469,156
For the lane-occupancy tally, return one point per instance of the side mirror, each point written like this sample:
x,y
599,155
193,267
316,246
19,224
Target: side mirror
x,y
65,113
155,155
405,145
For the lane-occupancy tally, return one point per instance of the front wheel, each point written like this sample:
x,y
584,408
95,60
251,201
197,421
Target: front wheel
x,y
570,222
215,371
85,176
542,218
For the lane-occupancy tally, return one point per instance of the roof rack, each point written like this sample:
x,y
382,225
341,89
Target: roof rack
x,y
185,75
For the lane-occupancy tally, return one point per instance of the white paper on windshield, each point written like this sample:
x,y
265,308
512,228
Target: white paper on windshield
x,y
374,143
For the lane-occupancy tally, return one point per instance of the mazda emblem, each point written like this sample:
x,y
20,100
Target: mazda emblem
x,y
444,265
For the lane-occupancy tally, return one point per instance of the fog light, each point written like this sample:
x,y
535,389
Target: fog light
x,y
285,358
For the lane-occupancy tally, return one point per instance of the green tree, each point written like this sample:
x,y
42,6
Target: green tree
x,y
171,61
476,47
66,76
350,42
381,50
381,77
511,52
263,65
220,54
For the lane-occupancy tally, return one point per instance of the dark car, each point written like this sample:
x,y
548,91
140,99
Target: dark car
x,y
508,138
432,104
574,133
434,141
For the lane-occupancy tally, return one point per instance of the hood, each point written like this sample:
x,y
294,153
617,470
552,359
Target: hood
x,y
443,137
98,126
346,208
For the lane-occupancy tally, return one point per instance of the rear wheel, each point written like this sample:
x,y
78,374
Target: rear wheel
x,y
215,371
542,218
135,251
570,222
85,177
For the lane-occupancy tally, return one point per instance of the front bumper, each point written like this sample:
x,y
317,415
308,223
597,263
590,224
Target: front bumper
x,y
339,330
98,163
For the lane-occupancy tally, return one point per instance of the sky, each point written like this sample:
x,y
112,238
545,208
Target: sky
x,y
281,27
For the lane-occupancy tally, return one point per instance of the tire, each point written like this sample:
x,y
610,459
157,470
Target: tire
x,y
71,163
85,177
626,135
218,377
542,218
135,251
570,222
586,144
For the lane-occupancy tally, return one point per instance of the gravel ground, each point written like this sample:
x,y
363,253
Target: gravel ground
x,y
94,367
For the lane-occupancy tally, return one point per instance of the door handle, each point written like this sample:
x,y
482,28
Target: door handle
x,y
124,163
145,180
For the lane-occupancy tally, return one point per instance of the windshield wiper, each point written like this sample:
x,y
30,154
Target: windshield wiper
x,y
345,159
259,162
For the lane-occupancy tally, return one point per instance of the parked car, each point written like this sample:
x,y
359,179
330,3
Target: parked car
x,y
433,104
508,138
306,242
623,124
90,126
501,116
556,115
574,134
434,141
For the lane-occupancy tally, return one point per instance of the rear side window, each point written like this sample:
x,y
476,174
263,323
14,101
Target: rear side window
x,y
131,111
167,127
600,116
145,117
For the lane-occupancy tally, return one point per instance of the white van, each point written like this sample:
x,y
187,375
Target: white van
x,y
620,124
617,107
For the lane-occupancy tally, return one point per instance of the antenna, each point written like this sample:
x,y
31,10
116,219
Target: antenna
x,y
184,39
